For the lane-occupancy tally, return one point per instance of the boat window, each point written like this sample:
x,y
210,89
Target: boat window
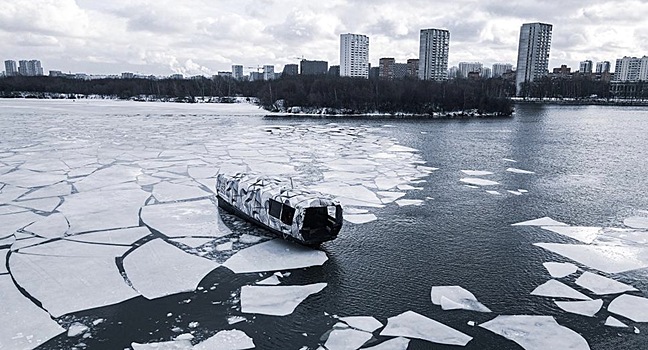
x,y
315,217
275,209
287,215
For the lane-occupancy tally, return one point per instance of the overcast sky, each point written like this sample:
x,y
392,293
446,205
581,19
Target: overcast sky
x,y
204,36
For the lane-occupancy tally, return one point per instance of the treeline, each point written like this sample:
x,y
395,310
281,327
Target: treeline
x,y
351,95
577,86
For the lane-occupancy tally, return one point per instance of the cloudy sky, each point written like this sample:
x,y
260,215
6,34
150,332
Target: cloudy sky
x,y
204,36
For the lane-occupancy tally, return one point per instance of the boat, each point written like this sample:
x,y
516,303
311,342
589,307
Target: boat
x,y
306,217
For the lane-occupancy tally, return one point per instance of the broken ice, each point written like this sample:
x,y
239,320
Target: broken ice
x,y
363,323
479,182
456,297
610,259
412,325
556,289
601,285
545,221
226,340
274,255
346,339
586,308
559,270
640,222
198,218
536,332
630,306
276,300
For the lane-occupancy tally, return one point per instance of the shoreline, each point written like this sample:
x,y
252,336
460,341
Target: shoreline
x,y
582,102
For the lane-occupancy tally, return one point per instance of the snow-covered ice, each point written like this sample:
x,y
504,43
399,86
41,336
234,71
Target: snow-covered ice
x,y
610,259
581,233
274,255
601,285
107,177
536,332
276,300
545,221
363,323
233,339
478,182
29,179
640,222
560,270
519,171
199,218
586,308
413,325
613,322
556,289
630,306
398,343
157,269
456,297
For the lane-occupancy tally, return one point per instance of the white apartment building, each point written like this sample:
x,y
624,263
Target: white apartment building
x,y
469,67
237,71
433,54
631,69
585,66
500,68
354,55
268,72
533,53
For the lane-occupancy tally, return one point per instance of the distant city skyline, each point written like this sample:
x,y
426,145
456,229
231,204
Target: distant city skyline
x,y
201,37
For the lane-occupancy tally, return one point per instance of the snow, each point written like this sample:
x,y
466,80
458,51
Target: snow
x,y
610,259
556,289
545,221
559,270
168,192
412,325
519,171
274,255
478,182
476,172
67,284
407,202
76,329
613,322
640,222
346,339
630,306
193,242
536,332
582,233
456,297
227,340
270,281
157,269
52,226
363,323
601,285
168,345
276,300
199,218
24,325
586,308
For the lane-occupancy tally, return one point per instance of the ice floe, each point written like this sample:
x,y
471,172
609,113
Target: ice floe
x,y
456,297
517,193
199,218
10,193
346,339
582,233
389,197
519,171
363,323
476,172
24,325
157,269
630,306
66,248
270,281
168,192
233,339
610,259
56,190
41,204
12,222
398,343
556,289
274,255
478,182
76,329
536,332
29,179
413,325
560,270
52,226
640,222
586,308
180,344
408,202
601,285
493,192
545,221
109,176
276,300
126,236
613,322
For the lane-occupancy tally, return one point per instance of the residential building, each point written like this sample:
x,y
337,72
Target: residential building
x,y
433,54
30,68
127,75
307,67
268,72
631,69
374,73
453,72
533,53
563,70
334,71
237,71
225,74
255,76
486,73
585,67
400,70
10,68
354,55
469,67
413,67
386,68
603,67
290,69
500,68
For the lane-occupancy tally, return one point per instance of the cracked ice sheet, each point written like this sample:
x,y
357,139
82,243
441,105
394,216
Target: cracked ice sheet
x,y
479,182
10,193
363,323
630,306
274,255
609,259
24,325
113,175
199,218
581,233
536,332
64,284
168,192
157,269
601,285
3,259
556,289
65,248
559,270
346,339
28,179
456,297
43,204
52,226
357,193
276,300
412,325
12,222
103,210
227,340
587,308
399,343
56,190
126,236
640,222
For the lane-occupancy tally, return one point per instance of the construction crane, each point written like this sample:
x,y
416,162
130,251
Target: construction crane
x,y
258,68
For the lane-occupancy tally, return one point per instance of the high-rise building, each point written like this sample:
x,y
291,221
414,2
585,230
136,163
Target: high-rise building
x,y
307,67
386,68
22,67
10,68
268,72
631,69
500,68
533,53
30,68
585,67
486,73
400,70
237,71
469,67
603,67
290,69
433,54
354,55
453,72
413,67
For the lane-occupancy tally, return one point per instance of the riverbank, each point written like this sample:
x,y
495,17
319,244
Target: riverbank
x,y
581,102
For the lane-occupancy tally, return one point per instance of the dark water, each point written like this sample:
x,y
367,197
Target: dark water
x,y
460,237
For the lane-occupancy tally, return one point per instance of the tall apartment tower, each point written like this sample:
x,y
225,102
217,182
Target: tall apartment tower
x,y
631,69
11,69
268,72
237,71
469,67
533,53
585,66
433,54
354,55
603,67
